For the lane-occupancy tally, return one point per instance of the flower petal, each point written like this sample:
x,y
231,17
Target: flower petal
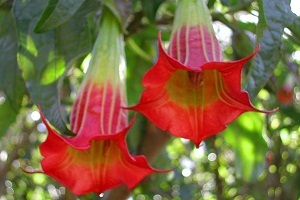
x,y
194,46
104,165
97,158
174,103
98,111
193,41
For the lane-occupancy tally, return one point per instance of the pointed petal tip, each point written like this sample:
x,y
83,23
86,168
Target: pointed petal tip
x,y
163,170
267,111
113,136
143,163
131,108
197,144
44,120
256,50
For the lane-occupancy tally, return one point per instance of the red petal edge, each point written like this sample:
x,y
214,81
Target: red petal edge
x,y
104,164
166,101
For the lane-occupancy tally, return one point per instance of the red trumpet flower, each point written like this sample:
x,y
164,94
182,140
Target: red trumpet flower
x,y
93,160
190,91
97,158
286,91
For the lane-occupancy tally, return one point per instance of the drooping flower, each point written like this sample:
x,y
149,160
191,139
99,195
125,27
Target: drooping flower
x,y
97,158
285,93
191,91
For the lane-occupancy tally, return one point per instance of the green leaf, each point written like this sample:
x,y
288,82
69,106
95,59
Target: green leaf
x,y
230,3
11,82
53,70
56,13
44,57
242,43
294,26
145,40
225,2
245,138
269,32
210,3
292,22
150,8
7,115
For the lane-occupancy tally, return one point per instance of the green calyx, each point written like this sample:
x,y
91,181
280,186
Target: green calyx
x,y
192,13
108,56
121,12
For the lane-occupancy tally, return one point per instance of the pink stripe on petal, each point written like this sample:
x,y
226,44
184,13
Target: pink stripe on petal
x,y
98,110
194,47
105,164
194,109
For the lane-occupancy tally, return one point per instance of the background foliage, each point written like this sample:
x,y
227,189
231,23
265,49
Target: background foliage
x,y
44,49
